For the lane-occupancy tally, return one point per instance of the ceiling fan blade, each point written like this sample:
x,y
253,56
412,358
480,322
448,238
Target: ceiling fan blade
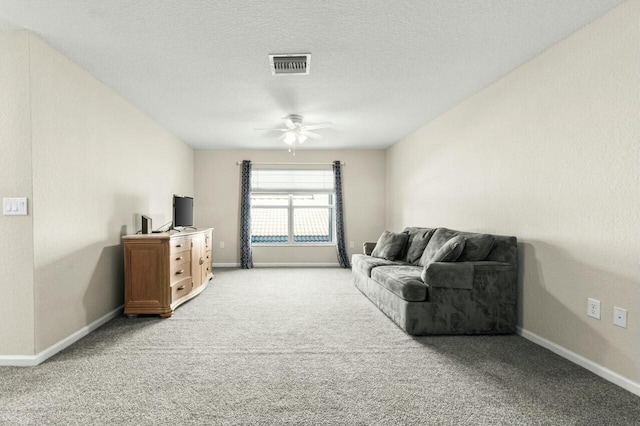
x,y
311,134
274,130
289,123
316,126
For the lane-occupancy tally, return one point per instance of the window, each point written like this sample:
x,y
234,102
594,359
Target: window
x,y
292,207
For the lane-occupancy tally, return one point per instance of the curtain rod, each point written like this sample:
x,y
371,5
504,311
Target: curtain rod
x,y
289,164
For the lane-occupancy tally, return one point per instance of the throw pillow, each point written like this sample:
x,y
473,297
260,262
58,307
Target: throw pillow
x,y
449,252
476,247
418,239
439,238
390,245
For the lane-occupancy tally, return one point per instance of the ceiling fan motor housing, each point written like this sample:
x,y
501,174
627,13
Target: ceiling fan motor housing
x,y
295,118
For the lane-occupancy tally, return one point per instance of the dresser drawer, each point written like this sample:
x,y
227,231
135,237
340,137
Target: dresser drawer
x,y
179,273
207,265
178,245
180,260
180,288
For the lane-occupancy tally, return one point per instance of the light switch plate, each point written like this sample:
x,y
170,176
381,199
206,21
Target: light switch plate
x,y
14,206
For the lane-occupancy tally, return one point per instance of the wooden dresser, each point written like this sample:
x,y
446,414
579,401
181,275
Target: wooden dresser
x,y
162,271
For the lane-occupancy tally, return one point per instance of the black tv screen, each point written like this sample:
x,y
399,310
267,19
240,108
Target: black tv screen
x,y
182,211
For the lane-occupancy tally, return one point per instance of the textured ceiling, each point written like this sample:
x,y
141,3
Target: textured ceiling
x,y
379,69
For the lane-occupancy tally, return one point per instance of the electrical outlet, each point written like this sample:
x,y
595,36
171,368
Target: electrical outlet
x,y
221,244
620,317
593,308
352,244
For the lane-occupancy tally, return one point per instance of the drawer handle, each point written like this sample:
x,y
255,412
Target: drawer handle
x,y
179,258
180,272
201,261
180,288
178,245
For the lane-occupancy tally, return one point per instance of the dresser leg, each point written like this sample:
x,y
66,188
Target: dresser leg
x,y
166,315
131,315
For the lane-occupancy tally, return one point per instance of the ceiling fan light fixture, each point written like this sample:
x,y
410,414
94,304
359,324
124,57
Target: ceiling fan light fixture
x,y
295,133
289,138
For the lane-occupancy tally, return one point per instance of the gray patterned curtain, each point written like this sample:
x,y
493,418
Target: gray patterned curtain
x,y
343,256
246,257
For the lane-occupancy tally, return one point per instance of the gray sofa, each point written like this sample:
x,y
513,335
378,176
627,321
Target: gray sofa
x,y
474,295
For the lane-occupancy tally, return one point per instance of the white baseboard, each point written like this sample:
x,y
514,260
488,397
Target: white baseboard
x,y
605,373
296,265
280,265
33,360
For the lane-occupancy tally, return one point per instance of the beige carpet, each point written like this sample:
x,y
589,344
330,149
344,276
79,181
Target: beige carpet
x,y
301,346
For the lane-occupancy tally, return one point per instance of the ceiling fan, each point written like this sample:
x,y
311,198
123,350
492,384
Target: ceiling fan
x,y
295,132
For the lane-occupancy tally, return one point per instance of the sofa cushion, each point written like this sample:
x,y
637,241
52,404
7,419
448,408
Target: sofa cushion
x,y
365,264
390,245
402,280
476,246
416,243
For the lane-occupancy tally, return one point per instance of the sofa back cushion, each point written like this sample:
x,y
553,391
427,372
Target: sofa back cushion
x,y
390,245
505,249
418,240
477,246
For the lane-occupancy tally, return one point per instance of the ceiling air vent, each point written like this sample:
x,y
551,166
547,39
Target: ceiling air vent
x,y
291,64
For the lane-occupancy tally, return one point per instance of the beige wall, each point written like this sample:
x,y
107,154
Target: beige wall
x,y
549,154
16,250
217,201
98,162
95,163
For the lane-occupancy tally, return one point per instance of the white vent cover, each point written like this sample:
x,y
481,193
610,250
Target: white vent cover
x,y
290,64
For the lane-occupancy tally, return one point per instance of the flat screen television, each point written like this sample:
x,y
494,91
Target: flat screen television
x,y
182,211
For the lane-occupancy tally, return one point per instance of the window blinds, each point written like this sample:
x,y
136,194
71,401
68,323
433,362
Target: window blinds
x,y
310,181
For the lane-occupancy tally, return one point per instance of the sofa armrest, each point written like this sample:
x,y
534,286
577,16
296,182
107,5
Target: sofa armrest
x,y
367,248
449,275
459,274
488,306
